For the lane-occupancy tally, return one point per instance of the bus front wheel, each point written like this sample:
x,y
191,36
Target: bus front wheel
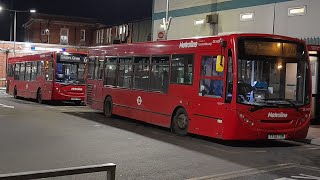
x,y
180,122
108,107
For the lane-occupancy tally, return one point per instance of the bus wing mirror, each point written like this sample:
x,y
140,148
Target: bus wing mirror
x,y
220,63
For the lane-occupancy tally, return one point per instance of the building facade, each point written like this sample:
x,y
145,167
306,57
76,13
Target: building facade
x,y
295,18
64,30
137,31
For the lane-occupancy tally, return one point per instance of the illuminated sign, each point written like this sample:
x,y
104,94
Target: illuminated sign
x,y
264,48
71,58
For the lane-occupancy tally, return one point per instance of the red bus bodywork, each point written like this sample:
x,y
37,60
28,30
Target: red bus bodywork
x,y
212,117
49,89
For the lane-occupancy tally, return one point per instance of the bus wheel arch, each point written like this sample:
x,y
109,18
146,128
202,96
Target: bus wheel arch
x,y
107,106
180,121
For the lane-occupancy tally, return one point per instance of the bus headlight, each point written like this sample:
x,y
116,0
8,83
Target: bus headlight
x,y
302,120
58,90
246,120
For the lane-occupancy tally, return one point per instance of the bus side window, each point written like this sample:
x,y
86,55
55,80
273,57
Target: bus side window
x,y
34,71
49,72
110,72
10,70
16,71
159,74
211,81
125,72
99,66
28,71
22,71
182,69
40,68
96,69
141,73
91,68
229,78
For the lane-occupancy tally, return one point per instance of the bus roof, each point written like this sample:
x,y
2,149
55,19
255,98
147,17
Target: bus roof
x,y
184,45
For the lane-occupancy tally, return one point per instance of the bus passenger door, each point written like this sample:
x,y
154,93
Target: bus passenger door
x,y
48,85
100,77
210,104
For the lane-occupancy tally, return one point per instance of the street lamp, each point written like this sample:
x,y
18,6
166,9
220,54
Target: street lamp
x,y
15,23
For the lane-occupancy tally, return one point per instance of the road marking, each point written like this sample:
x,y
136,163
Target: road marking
x,y
301,176
6,106
306,149
247,172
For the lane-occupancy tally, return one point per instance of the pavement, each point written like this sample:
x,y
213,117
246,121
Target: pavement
x,y
313,135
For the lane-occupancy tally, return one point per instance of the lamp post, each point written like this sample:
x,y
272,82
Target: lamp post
x,y
15,23
166,22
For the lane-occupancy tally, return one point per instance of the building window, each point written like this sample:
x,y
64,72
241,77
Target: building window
x,y
83,35
43,32
64,34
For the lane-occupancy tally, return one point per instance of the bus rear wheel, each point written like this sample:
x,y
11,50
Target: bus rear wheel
x,y
180,122
39,97
108,107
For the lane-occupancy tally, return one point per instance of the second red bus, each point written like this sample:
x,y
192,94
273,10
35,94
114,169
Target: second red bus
x,y
54,76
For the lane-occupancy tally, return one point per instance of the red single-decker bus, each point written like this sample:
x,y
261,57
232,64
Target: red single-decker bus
x,y
231,87
54,76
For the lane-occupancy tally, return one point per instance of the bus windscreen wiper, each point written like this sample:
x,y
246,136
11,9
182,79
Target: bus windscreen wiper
x,y
284,100
258,107
66,84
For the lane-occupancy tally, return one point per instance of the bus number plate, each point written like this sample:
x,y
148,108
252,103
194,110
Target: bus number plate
x,y
276,136
75,99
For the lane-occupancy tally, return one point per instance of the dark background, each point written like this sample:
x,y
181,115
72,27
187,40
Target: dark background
x,y
108,12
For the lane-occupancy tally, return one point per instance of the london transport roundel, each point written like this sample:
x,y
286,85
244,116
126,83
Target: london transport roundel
x,y
139,100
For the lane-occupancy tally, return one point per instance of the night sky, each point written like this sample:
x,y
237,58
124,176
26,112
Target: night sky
x,y
108,12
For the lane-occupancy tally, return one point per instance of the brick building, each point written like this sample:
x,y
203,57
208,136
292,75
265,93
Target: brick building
x,y
56,29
